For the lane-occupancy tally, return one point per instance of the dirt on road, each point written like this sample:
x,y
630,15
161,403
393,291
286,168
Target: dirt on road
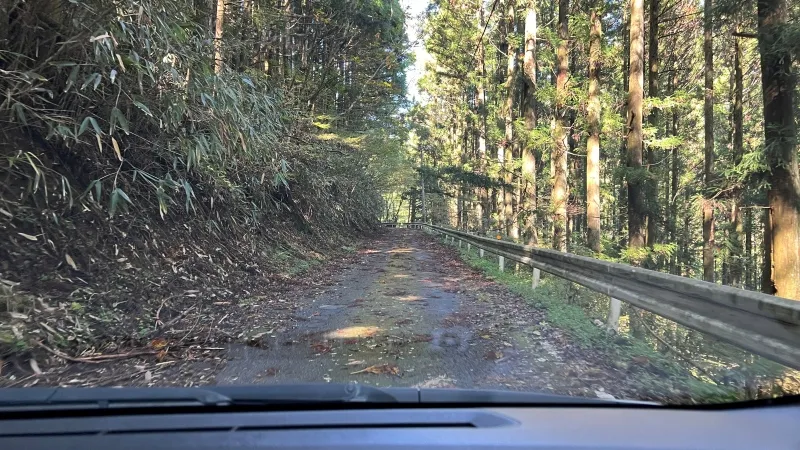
x,y
404,310
409,312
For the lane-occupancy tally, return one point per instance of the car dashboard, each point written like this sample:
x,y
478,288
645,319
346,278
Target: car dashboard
x,y
368,426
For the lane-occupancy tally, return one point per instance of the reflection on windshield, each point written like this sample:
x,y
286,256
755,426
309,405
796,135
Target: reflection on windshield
x,y
255,193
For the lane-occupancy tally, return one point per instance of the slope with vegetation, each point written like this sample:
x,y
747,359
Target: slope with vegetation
x,y
160,156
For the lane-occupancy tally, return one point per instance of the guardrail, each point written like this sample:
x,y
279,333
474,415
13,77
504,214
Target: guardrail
x,y
415,225
763,324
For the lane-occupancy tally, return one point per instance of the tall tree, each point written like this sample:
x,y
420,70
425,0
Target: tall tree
x,y
480,105
637,174
636,203
708,147
528,158
737,226
780,146
593,144
652,119
507,144
560,191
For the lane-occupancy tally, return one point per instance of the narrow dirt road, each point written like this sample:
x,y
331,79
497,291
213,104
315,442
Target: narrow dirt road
x,y
411,313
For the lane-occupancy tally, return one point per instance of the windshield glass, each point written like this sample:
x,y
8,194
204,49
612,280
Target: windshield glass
x,y
594,198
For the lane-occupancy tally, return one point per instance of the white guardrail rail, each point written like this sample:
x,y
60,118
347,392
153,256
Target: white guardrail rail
x,y
761,323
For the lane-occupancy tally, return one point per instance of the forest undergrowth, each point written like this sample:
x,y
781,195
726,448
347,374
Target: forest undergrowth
x,y
157,183
718,373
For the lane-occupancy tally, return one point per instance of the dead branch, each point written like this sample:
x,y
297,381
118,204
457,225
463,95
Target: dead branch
x,y
675,351
64,355
169,324
94,359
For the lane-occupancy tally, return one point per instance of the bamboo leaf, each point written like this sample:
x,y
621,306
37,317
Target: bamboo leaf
x,y
95,126
70,261
116,195
144,108
117,151
20,113
118,117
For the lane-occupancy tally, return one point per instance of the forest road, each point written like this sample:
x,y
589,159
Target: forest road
x,y
410,312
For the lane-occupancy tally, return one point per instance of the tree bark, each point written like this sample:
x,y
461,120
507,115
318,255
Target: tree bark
x,y
560,191
508,118
622,193
615,305
767,285
675,178
737,227
749,267
708,149
637,225
636,175
593,144
219,23
652,119
480,104
528,157
780,146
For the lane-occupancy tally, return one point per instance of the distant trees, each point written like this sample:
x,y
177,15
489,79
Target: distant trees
x,y
676,199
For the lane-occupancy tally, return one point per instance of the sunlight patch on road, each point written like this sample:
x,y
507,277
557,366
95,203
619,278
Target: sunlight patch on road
x,y
352,332
401,250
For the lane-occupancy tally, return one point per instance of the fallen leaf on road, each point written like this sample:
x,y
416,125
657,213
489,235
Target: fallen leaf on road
x,y
355,363
438,382
494,355
35,367
604,395
388,369
321,347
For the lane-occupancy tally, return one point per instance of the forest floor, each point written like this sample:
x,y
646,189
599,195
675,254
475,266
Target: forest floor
x,y
404,310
